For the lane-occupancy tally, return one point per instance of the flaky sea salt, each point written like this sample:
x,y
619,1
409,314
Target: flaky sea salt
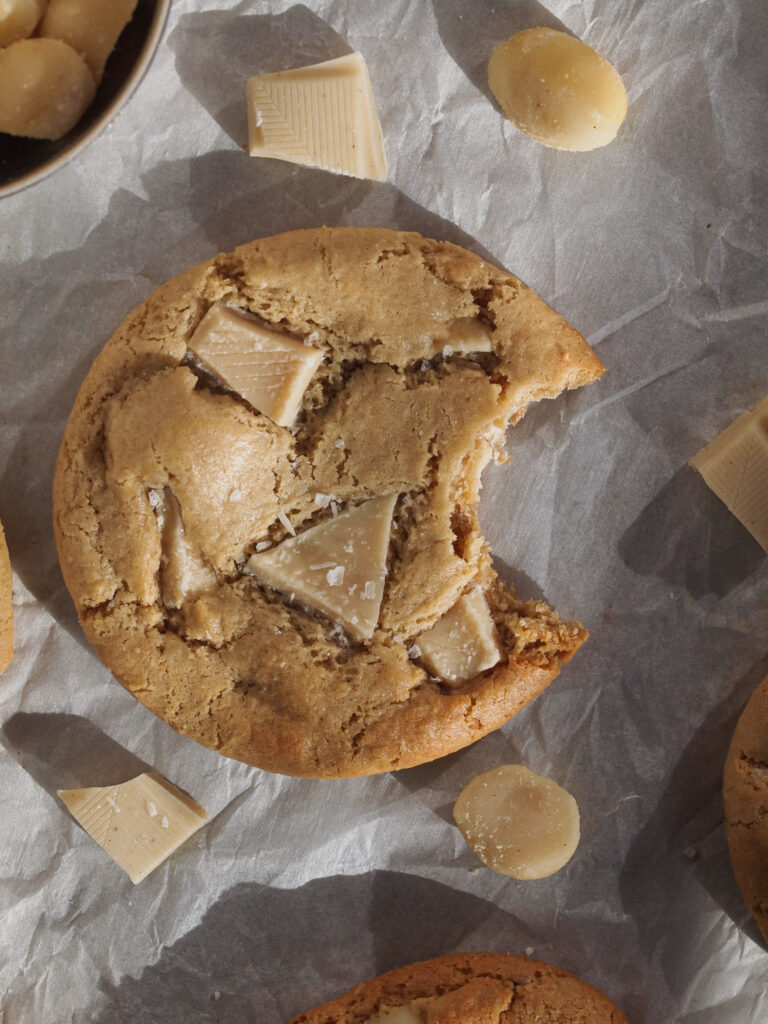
x,y
369,591
323,500
263,545
335,576
286,523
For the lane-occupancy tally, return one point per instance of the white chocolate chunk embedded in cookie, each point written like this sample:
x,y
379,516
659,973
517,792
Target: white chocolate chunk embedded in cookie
x,y
337,567
463,643
323,116
138,823
518,823
268,368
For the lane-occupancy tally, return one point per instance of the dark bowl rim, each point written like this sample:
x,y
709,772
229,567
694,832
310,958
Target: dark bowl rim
x,y
129,86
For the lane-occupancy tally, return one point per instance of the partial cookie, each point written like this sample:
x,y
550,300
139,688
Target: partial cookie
x,y
470,988
256,538
6,607
745,793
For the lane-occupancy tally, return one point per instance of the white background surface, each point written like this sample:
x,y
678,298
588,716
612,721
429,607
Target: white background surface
x,y
655,248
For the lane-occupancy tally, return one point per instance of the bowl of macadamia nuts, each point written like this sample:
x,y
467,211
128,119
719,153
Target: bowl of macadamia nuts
x,y
66,69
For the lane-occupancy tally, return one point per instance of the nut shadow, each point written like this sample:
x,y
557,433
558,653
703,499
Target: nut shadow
x,y
218,51
690,815
706,550
470,35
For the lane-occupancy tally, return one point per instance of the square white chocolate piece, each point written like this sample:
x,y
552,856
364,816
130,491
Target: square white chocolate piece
x,y
321,116
139,823
410,1013
269,369
463,642
337,567
735,466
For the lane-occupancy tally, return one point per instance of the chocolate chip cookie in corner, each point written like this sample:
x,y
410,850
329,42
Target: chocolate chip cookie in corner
x,y
470,988
265,501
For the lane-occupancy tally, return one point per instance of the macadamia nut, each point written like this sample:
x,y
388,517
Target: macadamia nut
x,y
557,89
18,19
518,823
44,88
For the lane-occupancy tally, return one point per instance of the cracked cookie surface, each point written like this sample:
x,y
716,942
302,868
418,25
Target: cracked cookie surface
x,y
470,988
168,482
745,795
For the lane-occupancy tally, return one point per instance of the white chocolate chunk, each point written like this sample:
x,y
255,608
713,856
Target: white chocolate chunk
x,y
463,642
557,89
184,574
139,823
735,466
410,1013
337,567
45,88
90,27
467,334
518,823
18,19
269,369
322,116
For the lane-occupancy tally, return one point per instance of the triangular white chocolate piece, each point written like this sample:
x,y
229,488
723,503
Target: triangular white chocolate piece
x,y
463,642
337,567
322,116
735,466
139,823
269,369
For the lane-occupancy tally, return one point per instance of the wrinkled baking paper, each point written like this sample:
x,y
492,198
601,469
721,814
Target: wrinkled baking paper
x,y
655,248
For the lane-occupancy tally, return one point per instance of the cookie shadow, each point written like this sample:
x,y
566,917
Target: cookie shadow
x,y
266,954
218,51
706,550
62,751
471,34
690,815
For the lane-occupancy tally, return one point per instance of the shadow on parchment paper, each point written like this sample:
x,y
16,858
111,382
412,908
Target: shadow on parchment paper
x,y
218,51
685,834
471,32
265,955
68,752
703,548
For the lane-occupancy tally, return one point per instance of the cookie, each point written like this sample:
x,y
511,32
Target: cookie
x,y
470,988
6,607
266,499
745,794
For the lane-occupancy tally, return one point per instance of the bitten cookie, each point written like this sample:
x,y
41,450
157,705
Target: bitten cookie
x,y
265,502
6,607
745,794
470,988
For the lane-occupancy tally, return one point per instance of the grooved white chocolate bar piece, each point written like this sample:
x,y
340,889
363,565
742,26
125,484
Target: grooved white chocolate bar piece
x,y
139,823
463,642
269,369
735,466
337,567
322,116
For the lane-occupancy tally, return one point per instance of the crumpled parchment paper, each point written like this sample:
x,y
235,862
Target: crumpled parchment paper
x,y
655,248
